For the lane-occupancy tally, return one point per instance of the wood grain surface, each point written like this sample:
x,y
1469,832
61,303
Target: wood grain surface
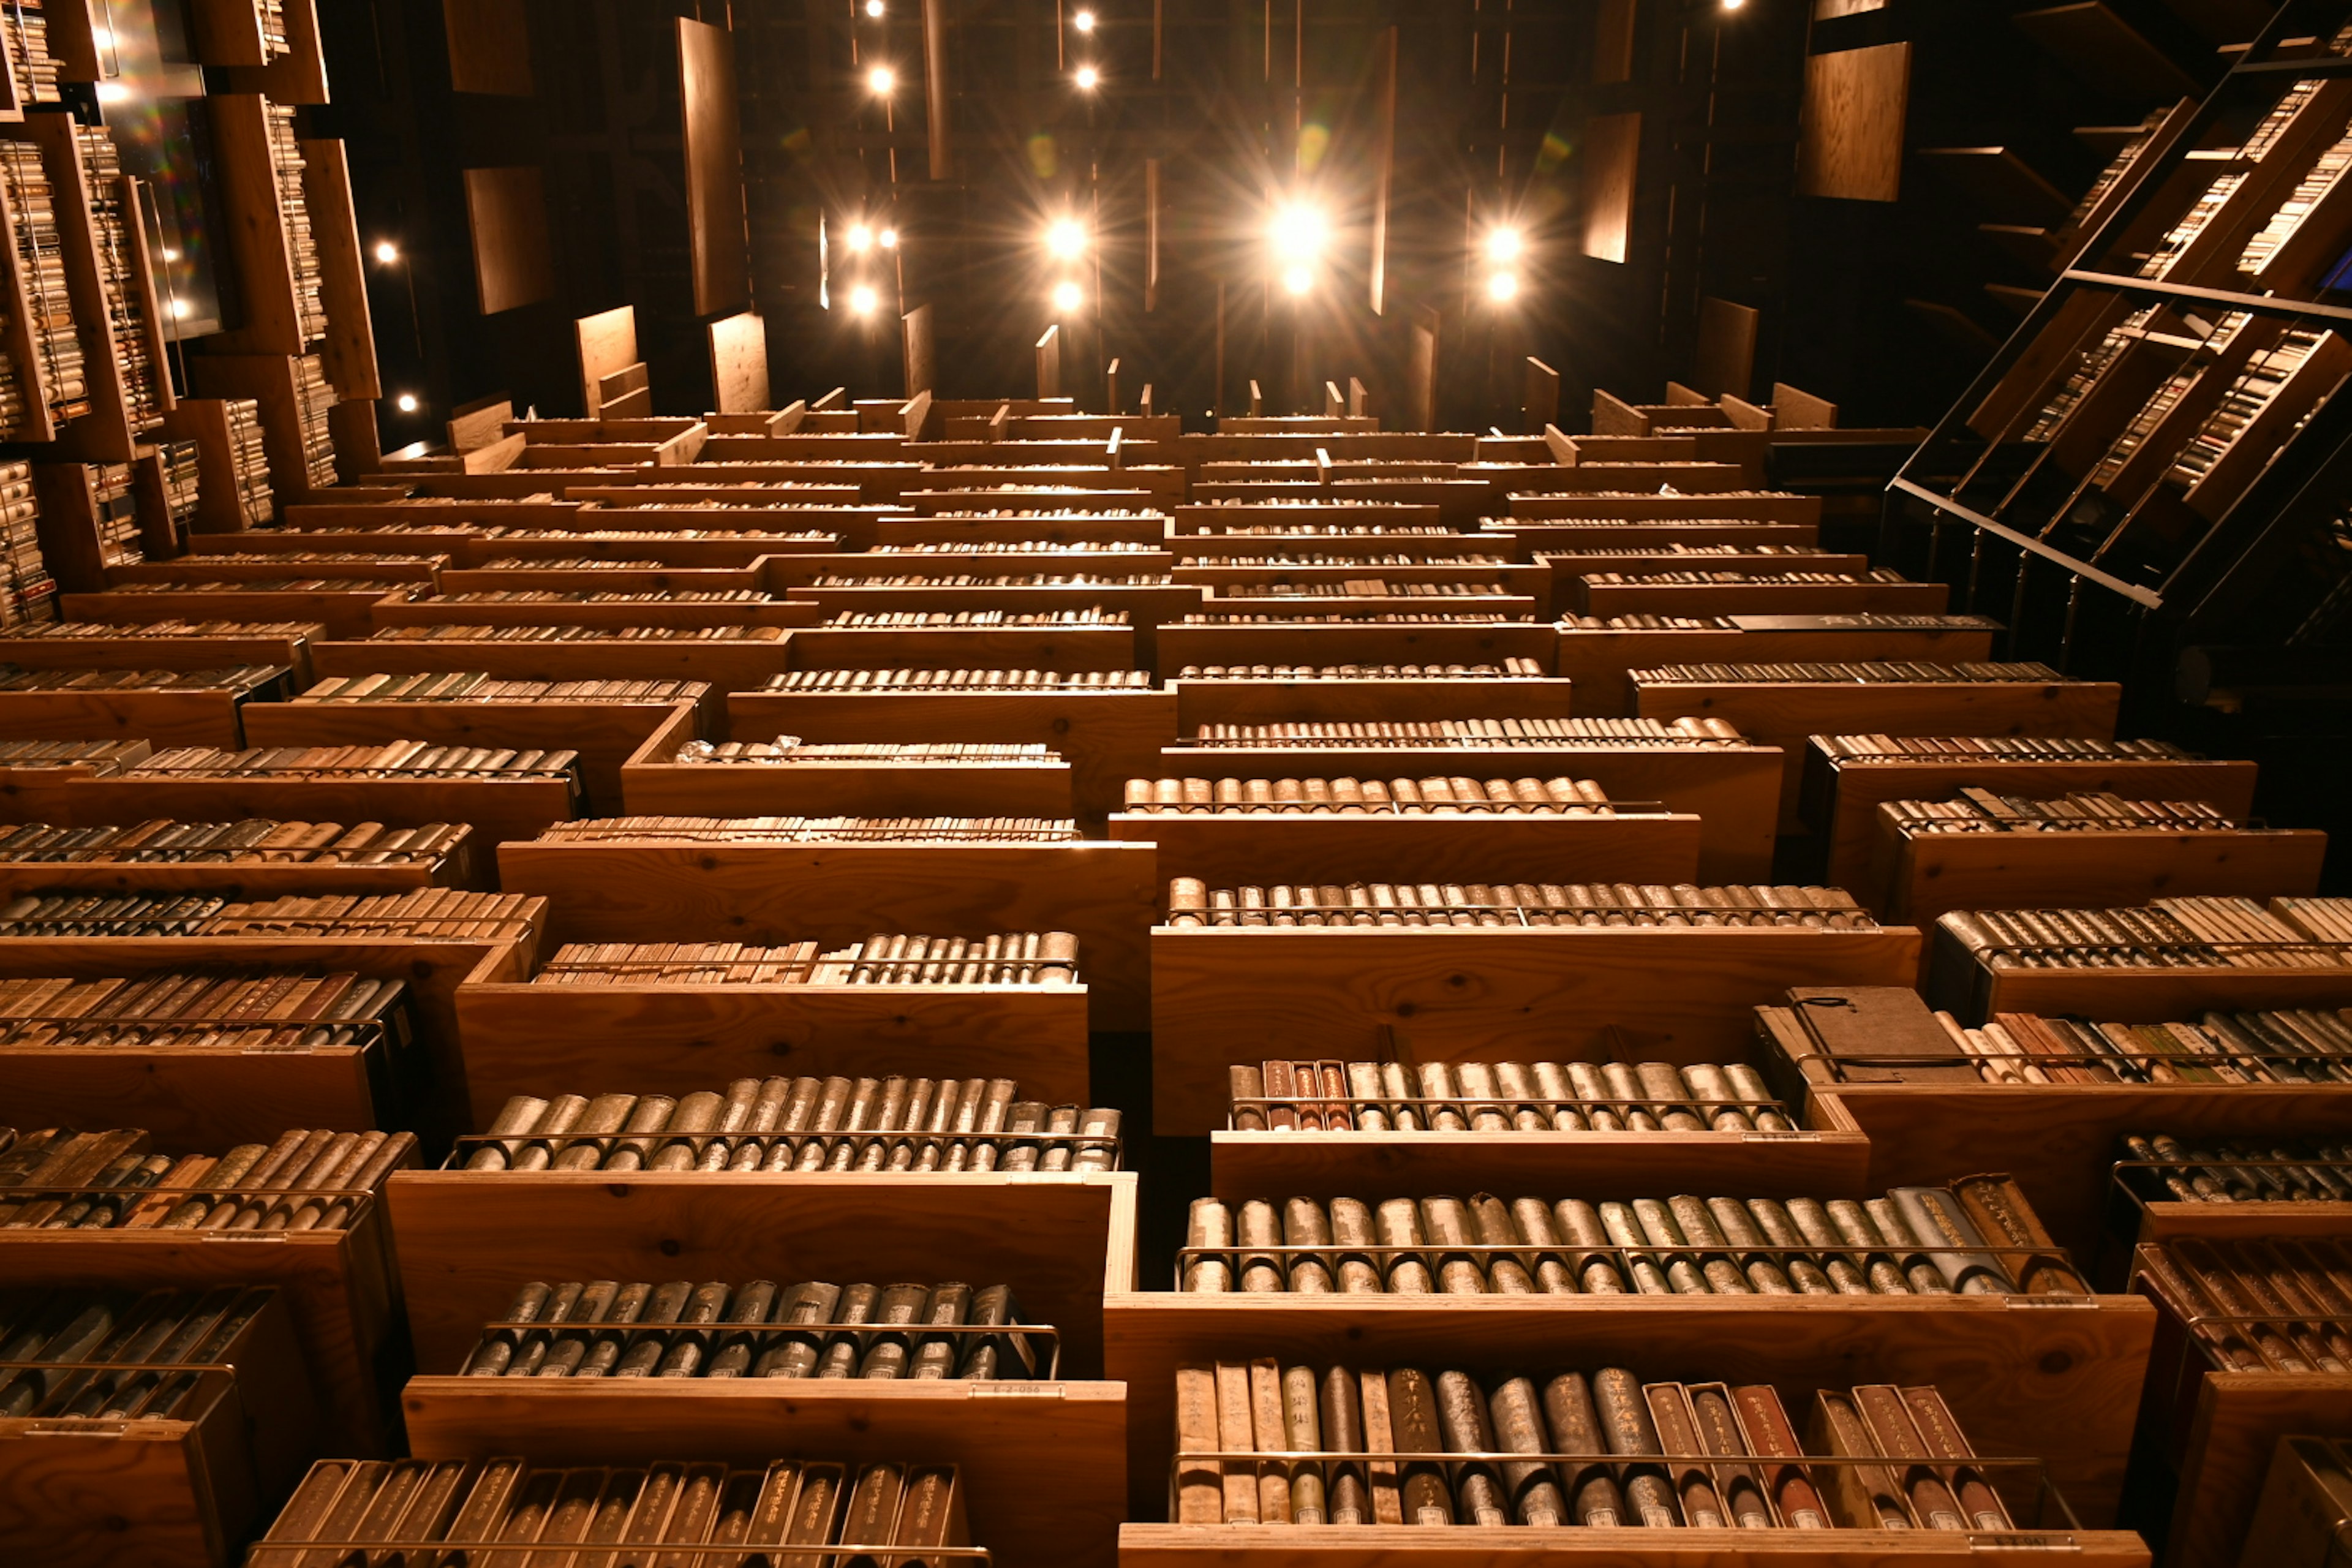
x,y
1225,850
1475,993
1598,660
1105,894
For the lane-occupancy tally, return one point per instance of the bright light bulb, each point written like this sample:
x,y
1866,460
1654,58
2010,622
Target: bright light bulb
x,y
887,240
880,81
179,308
1504,245
406,402
171,255
1067,298
1502,287
1088,78
874,8
386,253
1084,21
862,299
1734,5
859,239
1298,233
1298,280
113,92
1065,238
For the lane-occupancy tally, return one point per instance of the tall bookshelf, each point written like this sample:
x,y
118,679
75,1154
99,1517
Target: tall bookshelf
x,y
2157,459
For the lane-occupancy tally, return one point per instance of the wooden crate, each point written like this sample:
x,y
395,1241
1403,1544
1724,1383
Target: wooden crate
x,y
1055,1240
189,716
1599,660
1063,1240
802,571
1066,649
2208,1438
338,1287
731,665
343,612
605,734
755,573
1652,506
608,615
517,807
1786,713
1107,737
87,1493
1226,848
652,1037
1519,609
221,565
291,649
1475,993
2050,1378
1840,797
1754,597
1525,539
1147,606
716,549
1733,791
1916,877
836,893
1265,700
1226,519
653,784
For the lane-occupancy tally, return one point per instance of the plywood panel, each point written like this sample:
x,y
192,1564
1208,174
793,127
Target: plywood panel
x,y
1613,151
922,359
489,47
1613,40
513,264
608,345
739,364
714,167
1726,347
1852,144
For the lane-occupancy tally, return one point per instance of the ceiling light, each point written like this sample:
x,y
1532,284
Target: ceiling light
x,y
1084,21
1298,234
1504,245
1067,298
179,308
1088,78
874,8
862,299
887,240
1503,287
1298,280
386,253
881,81
859,239
1065,239
406,402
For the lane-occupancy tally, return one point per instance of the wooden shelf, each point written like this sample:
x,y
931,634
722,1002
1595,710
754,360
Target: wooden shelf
x,y
91,1493
1477,994
726,665
1265,700
1106,737
1584,597
1840,797
605,734
758,575
259,243
1826,1164
348,352
1360,642
1600,659
1733,791
196,651
1066,649
200,716
105,434
999,1436
342,611
1020,528
646,1038
1529,507
1063,1240
1788,713
1915,877
880,788
1396,1546
1224,849
2052,1378
338,1287
610,616
221,566
1974,990
837,893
